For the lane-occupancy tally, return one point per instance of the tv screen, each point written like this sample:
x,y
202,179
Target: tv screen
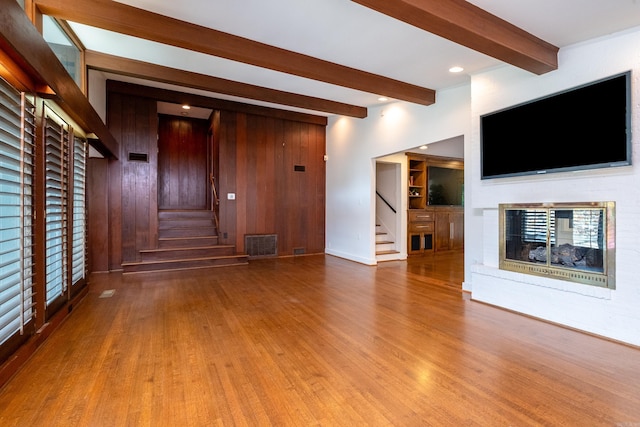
x,y
583,128
445,185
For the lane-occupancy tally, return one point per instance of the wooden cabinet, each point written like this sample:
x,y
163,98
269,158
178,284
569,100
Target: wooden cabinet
x,y
433,227
449,228
421,229
440,228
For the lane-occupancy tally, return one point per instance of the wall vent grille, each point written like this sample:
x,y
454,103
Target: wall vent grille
x,y
261,245
138,157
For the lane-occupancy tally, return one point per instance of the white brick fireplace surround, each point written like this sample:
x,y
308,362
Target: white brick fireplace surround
x,y
612,313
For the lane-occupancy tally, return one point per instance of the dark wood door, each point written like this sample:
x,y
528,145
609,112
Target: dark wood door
x,y
182,163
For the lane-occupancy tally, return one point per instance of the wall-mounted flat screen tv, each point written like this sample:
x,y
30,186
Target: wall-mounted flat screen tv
x,y
445,186
586,127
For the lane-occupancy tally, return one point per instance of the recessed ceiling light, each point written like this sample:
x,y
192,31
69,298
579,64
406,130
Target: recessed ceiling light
x,y
186,107
456,69
383,98
423,147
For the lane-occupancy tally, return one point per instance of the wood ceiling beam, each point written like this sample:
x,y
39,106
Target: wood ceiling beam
x,y
468,25
124,19
24,44
176,97
158,73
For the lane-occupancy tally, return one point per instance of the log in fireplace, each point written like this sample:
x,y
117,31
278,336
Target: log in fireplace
x,y
566,241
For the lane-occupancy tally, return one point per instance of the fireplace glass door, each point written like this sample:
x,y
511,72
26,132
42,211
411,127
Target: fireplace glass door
x,y
569,242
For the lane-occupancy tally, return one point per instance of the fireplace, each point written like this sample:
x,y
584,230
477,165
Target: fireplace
x,y
566,241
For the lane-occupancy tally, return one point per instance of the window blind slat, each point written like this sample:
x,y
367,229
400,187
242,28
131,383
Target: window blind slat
x,y
17,132
79,250
56,179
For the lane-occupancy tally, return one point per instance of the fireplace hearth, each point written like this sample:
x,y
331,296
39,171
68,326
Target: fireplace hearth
x,y
566,241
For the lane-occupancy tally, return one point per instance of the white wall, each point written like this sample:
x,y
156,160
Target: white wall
x,y
352,147
610,313
97,93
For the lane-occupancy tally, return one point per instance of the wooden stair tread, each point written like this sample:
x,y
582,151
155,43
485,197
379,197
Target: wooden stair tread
x,y
186,248
174,261
183,268
179,238
187,239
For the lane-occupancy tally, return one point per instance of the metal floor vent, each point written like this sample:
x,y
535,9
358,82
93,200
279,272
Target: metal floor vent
x,y
261,245
108,293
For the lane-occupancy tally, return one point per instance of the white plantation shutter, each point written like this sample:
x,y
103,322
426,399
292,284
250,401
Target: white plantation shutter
x,y
17,130
79,220
56,194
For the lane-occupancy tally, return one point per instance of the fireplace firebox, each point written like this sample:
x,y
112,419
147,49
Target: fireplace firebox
x,y
566,241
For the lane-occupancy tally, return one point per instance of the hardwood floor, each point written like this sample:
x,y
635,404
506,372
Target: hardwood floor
x,y
316,340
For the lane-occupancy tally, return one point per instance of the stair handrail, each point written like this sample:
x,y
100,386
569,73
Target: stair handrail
x,y
385,201
215,201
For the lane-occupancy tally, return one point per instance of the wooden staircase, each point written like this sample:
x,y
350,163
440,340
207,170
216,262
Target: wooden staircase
x,y
187,239
385,246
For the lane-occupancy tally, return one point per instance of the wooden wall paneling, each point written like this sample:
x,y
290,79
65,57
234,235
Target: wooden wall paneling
x,y
128,141
259,131
284,192
255,156
164,163
296,211
134,121
316,164
257,159
268,170
320,188
301,183
98,214
307,197
215,152
241,180
227,172
254,195
279,183
115,104
139,178
316,232
152,191
199,162
310,195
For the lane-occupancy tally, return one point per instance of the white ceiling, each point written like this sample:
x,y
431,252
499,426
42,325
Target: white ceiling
x,y
344,32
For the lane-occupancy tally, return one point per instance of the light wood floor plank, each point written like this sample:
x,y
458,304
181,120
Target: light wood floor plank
x,y
316,340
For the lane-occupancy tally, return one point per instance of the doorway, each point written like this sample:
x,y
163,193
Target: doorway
x,y
183,176
387,206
